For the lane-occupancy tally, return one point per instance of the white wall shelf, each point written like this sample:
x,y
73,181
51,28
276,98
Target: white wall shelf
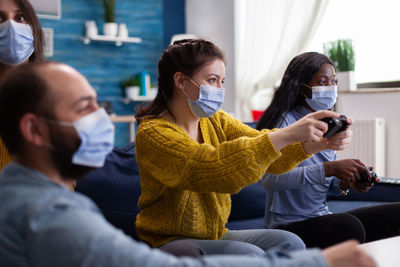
x,y
92,35
127,100
117,40
143,98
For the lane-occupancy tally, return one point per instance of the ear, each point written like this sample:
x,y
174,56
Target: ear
x,y
33,130
179,79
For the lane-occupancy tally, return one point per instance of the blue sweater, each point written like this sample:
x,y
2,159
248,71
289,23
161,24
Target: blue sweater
x,y
301,193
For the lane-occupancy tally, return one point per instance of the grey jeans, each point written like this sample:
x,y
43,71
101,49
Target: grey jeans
x,y
251,242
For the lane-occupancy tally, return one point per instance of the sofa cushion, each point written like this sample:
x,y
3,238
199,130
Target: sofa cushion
x,y
115,188
253,223
248,203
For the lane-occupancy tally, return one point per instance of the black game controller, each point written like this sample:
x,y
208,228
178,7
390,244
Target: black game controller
x,y
364,177
335,125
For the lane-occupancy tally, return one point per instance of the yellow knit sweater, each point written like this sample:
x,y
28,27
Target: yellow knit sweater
x,y
5,158
186,186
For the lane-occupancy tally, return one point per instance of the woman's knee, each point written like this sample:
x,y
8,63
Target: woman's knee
x,y
273,238
289,241
183,248
350,227
243,248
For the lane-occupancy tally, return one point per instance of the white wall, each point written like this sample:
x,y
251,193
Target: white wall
x,y
378,104
214,20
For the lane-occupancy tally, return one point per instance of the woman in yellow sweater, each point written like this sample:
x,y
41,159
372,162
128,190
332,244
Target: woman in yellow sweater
x,y
21,41
192,156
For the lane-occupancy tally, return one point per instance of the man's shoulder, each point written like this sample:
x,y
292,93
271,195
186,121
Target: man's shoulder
x,y
31,201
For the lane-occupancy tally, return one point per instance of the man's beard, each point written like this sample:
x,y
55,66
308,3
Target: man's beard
x,y
63,146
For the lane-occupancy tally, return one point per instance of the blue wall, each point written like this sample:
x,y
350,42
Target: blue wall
x,y
104,64
174,19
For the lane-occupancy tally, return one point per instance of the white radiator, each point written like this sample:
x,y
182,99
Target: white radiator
x,y
368,144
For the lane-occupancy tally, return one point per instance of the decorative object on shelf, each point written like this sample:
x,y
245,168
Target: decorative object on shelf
x,y
113,32
341,52
138,88
122,30
91,28
144,79
132,88
110,28
92,35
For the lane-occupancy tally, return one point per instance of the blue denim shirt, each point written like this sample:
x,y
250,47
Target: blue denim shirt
x,y
43,224
300,193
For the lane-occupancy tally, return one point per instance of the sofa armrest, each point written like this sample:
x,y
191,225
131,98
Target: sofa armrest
x,y
379,192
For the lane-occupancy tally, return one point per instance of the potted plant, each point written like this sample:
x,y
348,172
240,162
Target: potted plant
x,y
110,28
341,52
132,87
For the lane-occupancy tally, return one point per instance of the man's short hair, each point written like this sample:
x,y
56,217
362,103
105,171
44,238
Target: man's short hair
x,y
22,91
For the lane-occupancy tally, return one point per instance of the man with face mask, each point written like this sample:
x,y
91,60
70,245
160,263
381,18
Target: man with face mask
x,y
57,133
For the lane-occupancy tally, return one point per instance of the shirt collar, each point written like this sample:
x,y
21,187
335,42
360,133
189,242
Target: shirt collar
x,y
302,110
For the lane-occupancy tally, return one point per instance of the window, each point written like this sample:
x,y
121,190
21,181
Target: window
x,y
373,26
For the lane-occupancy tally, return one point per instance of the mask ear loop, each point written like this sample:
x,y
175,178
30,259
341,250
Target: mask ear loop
x,y
307,85
194,83
304,94
185,91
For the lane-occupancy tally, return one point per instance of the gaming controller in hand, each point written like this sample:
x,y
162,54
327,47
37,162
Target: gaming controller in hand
x,y
335,125
364,177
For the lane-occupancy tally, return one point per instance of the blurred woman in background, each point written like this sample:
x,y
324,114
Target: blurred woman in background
x,y
21,41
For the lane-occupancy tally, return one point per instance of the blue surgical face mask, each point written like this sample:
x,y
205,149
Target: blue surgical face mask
x,y
209,102
323,97
96,133
16,42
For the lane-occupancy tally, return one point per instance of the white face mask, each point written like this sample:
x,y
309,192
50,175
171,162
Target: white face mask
x,y
209,102
96,133
323,97
16,42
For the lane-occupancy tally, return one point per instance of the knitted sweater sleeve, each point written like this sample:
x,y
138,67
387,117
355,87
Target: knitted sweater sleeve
x,y
168,155
290,156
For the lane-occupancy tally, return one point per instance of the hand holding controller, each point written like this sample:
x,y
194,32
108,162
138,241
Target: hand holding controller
x,y
335,125
365,178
